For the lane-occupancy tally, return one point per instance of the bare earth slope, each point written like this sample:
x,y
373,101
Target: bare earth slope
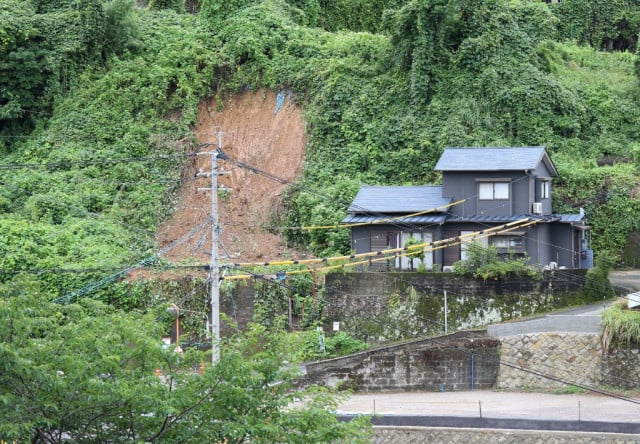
x,y
259,129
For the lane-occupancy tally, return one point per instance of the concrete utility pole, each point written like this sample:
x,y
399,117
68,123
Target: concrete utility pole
x,y
214,273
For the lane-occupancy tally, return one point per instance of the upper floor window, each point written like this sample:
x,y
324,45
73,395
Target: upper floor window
x,y
545,189
493,190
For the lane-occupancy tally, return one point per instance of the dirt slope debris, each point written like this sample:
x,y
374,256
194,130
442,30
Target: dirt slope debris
x,y
263,129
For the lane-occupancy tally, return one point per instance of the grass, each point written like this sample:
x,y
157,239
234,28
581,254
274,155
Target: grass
x,y
620,326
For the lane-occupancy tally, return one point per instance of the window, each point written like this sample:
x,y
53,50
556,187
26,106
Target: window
x,y
508,243
467,239
545,189
493,190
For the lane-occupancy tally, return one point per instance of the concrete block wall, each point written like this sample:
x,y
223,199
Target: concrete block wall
x,y
382,307
460,361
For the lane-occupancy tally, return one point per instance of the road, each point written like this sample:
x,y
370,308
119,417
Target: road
x,y
500,409
627,280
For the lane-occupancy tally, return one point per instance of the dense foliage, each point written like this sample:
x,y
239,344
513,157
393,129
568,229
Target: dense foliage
x,y
486,263
88,373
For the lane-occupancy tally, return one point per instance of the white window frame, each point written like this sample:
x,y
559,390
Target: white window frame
x,y
545,189
404,262
493,191
464,245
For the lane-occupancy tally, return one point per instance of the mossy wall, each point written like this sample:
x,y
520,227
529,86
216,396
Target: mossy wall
x,y
394,306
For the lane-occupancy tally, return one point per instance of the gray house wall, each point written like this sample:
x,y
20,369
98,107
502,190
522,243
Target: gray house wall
x,y
538,242
544,242
563,243
361,239
524,191
542,172
461,185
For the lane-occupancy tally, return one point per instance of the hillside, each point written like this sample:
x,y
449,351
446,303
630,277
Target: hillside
x,y
261,132
99,127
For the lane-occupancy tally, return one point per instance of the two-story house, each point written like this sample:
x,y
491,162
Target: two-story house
x,y
491,196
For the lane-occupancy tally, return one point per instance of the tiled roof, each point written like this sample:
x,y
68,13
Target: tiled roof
x,y
494,159
422,219
397,199
487,219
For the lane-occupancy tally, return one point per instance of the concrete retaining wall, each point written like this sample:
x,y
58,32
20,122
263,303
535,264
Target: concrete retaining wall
x,y
396,306
461,361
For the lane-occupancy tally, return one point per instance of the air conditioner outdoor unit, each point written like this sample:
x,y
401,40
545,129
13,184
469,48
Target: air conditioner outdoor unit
x,y
536,208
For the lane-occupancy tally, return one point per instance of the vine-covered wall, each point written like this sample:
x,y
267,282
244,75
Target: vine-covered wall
x,y
394,306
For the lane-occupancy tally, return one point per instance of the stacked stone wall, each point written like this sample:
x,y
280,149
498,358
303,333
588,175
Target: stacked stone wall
x,y
572,357
423,435
621,369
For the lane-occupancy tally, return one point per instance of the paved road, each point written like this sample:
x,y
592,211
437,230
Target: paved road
x,y
627,280
585,319
511,410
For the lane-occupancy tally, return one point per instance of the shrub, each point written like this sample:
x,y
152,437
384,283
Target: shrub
x,y
620,326
486,263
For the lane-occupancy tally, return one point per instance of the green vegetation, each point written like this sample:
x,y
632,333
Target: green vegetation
x,y
86,372
93,144
620,326
485,262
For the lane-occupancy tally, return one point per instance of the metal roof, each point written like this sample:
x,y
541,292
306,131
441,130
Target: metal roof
x,y
570,218
494,159
388,219
398,199
483,219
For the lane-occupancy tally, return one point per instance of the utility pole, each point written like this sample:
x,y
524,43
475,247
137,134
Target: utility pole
x,y
214,272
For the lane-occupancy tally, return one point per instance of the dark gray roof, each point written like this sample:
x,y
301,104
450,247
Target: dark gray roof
x,y
397,199
494,159
418,220
487,219
570,218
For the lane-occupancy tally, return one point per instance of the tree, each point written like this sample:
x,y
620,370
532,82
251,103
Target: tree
x,y
86,373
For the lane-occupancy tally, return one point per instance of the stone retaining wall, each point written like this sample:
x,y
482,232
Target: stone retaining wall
x,y
621,369
423,435
571,357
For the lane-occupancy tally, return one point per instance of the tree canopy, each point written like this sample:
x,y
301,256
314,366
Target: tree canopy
x,y
88,373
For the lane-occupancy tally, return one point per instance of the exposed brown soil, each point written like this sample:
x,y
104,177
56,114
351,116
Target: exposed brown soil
x,y
253,133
